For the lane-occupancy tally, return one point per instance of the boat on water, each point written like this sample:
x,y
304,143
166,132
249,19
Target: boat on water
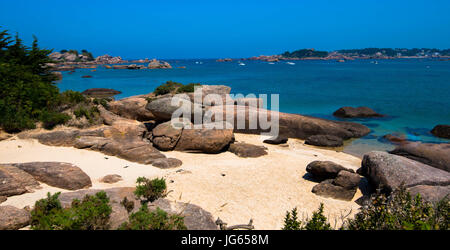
x,y
271,63
241,64
290,63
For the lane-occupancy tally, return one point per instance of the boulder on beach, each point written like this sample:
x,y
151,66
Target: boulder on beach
x,y
329,190
359,112
247,150
165,163
57,174
14,181
442,131
347,179
388,172
435,155
111,178
323,170
324,141
163,108
131,108
100,92
205,140
430,193
165,136
12,218
276,140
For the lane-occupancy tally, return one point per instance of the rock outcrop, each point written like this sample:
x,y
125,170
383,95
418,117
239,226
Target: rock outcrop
x,y
14,181
12,218
165,136
246,150
290,125
100,92
324,141
359,112
277,140
435,155
57,174
388,172
156,64
442,131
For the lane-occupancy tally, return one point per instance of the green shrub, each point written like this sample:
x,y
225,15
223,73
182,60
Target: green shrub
x,y
101,101
91,213
155,220
89,112
150,190
52,119
189,88
167,88
317,222
71,97
400,211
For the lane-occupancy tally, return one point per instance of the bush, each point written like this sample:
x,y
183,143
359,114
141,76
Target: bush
x,y
400,211
150,190
167,88
70,97
52,119
101,101
189,88
317,222
91,213
89,112
155,220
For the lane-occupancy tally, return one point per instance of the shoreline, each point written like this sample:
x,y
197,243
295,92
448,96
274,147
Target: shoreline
x,y
262,189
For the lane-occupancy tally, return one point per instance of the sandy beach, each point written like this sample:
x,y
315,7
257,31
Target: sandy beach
x,y
232,188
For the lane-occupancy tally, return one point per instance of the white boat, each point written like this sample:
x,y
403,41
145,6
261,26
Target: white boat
x,y
241,64
290,63
271,63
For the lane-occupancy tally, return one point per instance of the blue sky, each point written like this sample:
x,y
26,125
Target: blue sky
x,y
213,29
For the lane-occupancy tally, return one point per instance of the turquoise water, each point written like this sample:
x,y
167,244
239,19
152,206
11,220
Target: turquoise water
x,y
414,94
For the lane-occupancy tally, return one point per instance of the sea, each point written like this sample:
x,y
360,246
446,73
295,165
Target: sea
x,y
414,94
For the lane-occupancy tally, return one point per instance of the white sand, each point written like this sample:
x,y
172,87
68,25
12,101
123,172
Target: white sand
x,y
261,188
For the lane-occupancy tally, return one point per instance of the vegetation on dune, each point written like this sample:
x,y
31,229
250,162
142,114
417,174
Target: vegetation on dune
x,y
398,211
171,87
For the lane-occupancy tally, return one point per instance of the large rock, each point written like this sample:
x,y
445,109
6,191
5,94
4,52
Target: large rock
x,y
388,172
328,190
359,112
100,92
195,218
166,135
430,193
347,179
205,140
131,108
245,150
156,64
57,174
442,131
436,155
324,141
163,108
12,218
14,181
290,125
132,150
323,170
